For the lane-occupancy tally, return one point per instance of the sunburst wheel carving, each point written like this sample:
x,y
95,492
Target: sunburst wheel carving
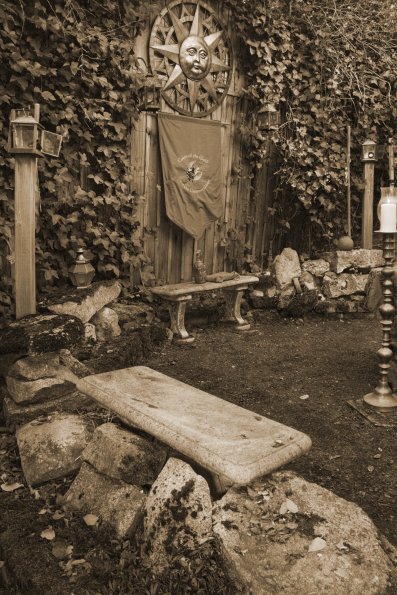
x,y
191,53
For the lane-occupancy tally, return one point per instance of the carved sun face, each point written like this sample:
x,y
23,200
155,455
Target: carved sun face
x,y
189,49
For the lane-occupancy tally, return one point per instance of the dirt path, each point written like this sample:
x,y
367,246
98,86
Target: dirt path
x,y
271,368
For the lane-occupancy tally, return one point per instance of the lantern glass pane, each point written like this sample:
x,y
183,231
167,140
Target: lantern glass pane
x,y
51,143
23,136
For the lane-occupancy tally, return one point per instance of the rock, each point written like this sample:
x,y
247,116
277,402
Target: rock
x,y
267,300
285,296
283,534
317,268
15,414
36,367
124,455
286,267
178,513
33,335
345,284
89,333
51,448
68,360
341,260
134,315
373,290
117,504
301,303
84,303
307,281
106,324
33,391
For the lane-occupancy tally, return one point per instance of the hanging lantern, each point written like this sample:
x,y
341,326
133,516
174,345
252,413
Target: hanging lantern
x,y
24,135
149,91
269,118
82,272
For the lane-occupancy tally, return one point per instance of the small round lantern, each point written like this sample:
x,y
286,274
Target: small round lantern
x,y
82,272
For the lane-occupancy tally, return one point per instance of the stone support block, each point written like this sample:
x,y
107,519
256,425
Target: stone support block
x,y
361,259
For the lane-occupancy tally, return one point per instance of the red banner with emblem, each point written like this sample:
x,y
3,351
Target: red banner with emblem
x,y
192,171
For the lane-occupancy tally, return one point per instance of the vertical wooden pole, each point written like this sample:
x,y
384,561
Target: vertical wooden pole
x,y
368,199
25,275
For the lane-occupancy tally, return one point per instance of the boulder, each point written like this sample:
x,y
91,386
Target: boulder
x,y
33,335
117,504
335,286
106,324
283,534
16,414
36,367
51,448
178,513
84,303
132,316
361,259
286,267
32,391
124,455
317,268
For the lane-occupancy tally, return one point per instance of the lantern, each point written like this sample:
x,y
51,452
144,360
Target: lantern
x,y
269,118
369,151
150,90
82,272
24,134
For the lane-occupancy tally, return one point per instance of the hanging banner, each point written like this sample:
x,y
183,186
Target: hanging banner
x,y
192,173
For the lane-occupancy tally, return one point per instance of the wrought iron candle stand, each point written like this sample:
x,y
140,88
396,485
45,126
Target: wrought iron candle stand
x,y
383,397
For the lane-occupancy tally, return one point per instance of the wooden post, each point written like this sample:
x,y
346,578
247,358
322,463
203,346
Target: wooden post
x,y
25,276
369,161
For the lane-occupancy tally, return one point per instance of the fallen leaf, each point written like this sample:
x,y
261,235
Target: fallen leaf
x,y
58,515
11,487
304,397
288,506
61,550
43,511
90,519
370,468
377,456
317,544
48,534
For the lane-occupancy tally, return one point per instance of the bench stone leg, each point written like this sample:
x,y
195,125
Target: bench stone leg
x,y
177,308
233,308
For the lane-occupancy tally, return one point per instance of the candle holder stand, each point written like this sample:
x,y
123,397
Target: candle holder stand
x,y
383,398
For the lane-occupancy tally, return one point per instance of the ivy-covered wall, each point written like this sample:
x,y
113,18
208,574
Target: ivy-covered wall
x,y
74,58
326,65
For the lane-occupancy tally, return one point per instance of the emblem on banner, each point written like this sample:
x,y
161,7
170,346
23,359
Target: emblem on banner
x,y
194,178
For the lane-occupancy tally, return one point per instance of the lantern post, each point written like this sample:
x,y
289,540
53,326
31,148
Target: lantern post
x,y
369,159
23,143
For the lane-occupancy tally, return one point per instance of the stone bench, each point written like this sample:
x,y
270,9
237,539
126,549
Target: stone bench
x,y
179,294
235,445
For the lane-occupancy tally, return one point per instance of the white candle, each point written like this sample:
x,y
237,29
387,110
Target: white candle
x,y
388,218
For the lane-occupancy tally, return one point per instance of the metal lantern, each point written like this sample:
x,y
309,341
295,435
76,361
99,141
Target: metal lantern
x,y
150,89
82,272
24,136
369,151
150,94
269,118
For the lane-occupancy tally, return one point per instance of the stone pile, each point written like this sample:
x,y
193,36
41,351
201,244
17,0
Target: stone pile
x,y
34,389
340,282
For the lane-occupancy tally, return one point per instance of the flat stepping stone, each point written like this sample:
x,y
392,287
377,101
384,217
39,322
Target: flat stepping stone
x,y
228,440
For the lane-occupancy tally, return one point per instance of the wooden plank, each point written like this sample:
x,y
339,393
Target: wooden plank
x,y
25,276
367,210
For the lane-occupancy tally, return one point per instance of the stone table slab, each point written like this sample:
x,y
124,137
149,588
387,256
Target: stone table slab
x,y
226,439
179,289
